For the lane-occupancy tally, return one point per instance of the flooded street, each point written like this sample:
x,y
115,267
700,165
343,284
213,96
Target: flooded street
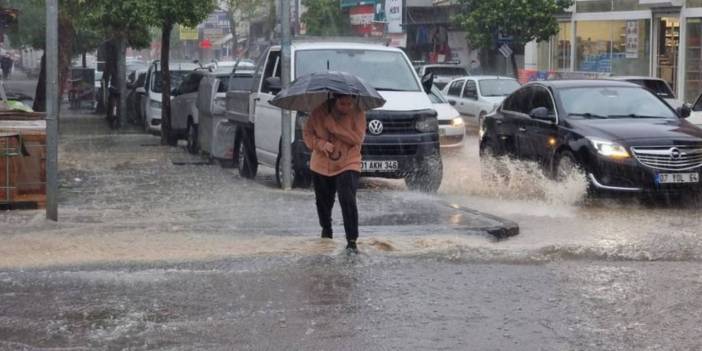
x,y
159,250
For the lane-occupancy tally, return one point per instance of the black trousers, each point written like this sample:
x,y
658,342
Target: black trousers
x,y
325,190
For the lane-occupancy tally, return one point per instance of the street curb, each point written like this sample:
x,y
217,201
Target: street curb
x,y
506,229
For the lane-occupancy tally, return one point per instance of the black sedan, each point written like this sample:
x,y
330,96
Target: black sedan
x,y
620,136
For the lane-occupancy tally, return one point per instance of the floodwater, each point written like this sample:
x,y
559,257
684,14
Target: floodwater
x,y
158,250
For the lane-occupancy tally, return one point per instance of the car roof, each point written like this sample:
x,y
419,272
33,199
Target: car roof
x,y
339,45
634,78
443,65
583,83
489,77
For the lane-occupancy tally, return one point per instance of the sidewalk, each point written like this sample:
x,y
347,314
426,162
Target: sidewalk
x,y
123,196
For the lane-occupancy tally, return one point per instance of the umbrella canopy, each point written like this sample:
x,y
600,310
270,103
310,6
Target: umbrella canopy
x,y
309,91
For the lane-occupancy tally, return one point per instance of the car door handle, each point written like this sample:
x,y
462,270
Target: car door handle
x,y
522,129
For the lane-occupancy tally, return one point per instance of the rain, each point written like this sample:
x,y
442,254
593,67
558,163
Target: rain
x,y
160,248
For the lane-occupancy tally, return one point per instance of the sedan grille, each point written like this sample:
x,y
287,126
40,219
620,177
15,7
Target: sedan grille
x,y
670,158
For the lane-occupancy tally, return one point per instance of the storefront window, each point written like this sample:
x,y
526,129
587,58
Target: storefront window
x,y
616,47
693,59
561,47
694,3
626,5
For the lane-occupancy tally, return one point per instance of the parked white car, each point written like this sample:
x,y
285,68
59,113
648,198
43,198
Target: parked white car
x,y
658,86
443,72
696,115
476,96
151,103
452,129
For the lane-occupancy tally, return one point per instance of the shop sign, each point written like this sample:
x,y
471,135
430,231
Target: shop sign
x,y
393,14
398,40
632,39
362,20
362,15
187,33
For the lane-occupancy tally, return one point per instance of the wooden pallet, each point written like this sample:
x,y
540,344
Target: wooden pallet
x,y
24,186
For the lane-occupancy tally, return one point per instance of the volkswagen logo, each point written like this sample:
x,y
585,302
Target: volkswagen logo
x,y
675,153
375,127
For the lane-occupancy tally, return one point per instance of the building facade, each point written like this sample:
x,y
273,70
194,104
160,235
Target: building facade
x,y
661,38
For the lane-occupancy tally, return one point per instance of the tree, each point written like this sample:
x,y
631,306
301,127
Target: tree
x,y
522,20
167,14
31,31
324,18
243,11
122,23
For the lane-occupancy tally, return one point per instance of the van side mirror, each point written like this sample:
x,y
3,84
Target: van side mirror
x,y
541,113
273,84
428,82
684,111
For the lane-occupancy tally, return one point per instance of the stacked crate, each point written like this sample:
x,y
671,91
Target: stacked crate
x,y
22,160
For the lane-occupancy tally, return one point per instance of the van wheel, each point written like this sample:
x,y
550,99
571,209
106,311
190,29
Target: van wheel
x,y
193,146
247,164
300,178
427,178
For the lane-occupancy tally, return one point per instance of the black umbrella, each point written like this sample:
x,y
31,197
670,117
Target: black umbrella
x,y
309,91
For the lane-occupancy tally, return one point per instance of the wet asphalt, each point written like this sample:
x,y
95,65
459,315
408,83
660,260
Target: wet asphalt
x,y
157,250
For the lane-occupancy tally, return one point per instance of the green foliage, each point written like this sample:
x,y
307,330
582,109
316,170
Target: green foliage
x,y
118,18
324,18
524,20
186,12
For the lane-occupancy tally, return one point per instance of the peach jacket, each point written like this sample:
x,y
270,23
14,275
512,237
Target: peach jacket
x,y
346,133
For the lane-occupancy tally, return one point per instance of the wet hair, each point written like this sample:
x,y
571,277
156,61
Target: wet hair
x,y
332,100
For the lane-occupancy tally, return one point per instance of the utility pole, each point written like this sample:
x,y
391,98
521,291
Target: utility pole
x,y
286,124
52,109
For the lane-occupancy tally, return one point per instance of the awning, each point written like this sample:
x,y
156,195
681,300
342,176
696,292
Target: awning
x,y
354,3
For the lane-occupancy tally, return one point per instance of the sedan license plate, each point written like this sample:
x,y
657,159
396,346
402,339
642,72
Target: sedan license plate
x,y
379,166
677,178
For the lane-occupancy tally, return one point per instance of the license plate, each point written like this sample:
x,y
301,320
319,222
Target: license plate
x,y
677,178
379,166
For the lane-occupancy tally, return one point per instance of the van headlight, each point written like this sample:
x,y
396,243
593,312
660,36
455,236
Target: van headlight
x,y
457,122
427,124
609,148
155,104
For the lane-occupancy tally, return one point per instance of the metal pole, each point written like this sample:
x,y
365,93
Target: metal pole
x,y
286,124
52,109
122,79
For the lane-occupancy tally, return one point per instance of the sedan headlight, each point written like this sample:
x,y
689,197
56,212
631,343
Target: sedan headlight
x,y
155,104
427,124
457,122
609,149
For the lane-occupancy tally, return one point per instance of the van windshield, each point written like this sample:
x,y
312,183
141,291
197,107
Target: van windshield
x,y
384,70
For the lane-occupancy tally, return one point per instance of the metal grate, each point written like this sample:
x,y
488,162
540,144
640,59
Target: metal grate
x,y
670,158
394,124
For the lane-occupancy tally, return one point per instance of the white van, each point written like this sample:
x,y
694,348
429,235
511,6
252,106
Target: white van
x,y
151,103
404,140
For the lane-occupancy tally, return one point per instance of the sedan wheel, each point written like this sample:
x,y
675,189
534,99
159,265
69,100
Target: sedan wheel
x,y
568,167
